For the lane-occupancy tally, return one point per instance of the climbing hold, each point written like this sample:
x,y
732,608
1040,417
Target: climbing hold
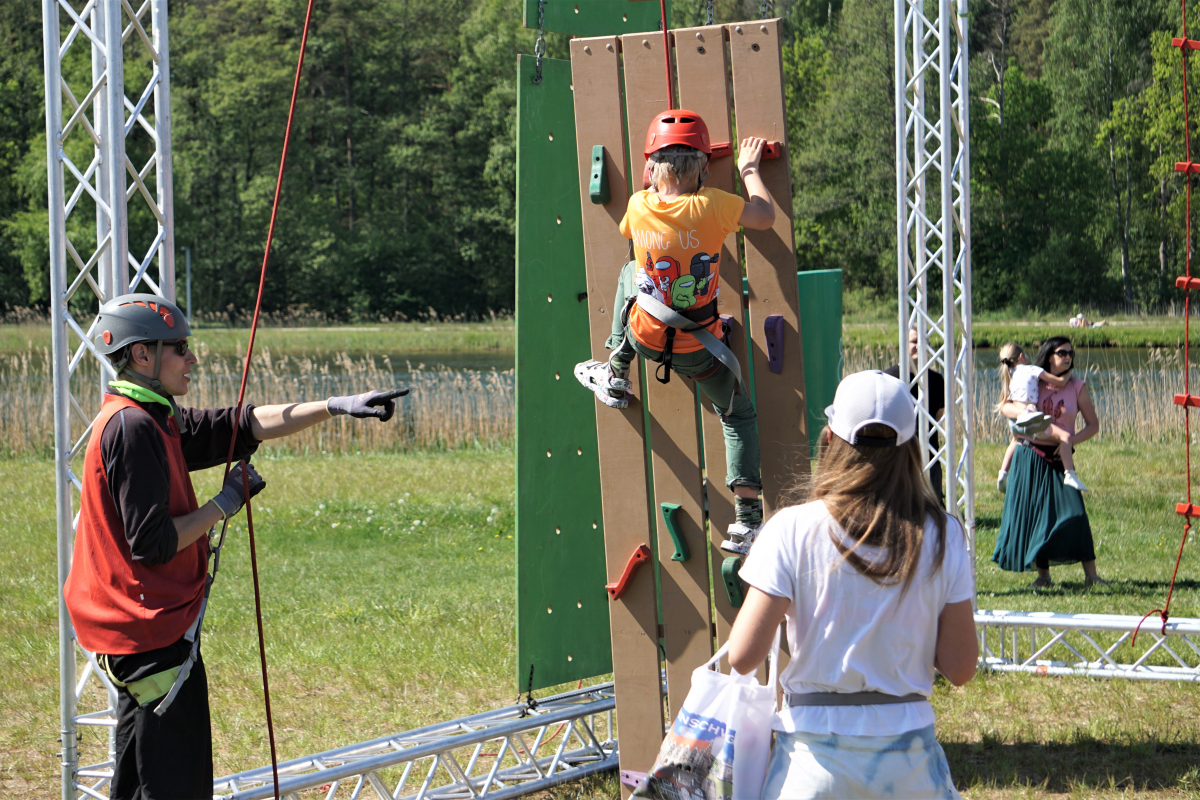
x,y
598,189
734,587
681,549
640,556
773,327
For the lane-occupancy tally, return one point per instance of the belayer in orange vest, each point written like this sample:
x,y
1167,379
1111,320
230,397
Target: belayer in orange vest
x,y
666,305
138,579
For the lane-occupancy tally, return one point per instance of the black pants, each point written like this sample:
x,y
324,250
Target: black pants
x,y
167,757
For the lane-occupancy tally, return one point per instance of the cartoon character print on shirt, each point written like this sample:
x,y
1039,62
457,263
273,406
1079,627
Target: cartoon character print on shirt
x,y
646,285
661,278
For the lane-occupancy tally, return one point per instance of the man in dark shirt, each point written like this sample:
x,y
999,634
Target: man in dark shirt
x,y
935,402
137,585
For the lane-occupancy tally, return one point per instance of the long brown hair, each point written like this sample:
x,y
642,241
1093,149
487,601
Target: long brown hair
x,y
881,498
1010,354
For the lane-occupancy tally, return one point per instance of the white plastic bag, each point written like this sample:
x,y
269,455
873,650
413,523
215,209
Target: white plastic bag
x,y
719,744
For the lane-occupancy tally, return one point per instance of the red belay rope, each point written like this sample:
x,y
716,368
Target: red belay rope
x,y
1186,284
262,278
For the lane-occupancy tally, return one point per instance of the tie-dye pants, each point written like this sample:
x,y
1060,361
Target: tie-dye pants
x,y
807,766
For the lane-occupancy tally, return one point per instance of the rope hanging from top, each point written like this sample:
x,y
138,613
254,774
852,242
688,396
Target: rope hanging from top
x,y
262,278
662,11
1186,509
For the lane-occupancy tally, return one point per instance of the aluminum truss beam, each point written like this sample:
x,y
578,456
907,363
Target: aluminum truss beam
x,y
509,752
90,118
933,226
1095,645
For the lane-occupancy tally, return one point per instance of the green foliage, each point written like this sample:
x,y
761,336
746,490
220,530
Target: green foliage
x,y
400,189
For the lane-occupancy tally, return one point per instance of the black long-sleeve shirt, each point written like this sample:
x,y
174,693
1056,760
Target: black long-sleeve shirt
x,y
135,461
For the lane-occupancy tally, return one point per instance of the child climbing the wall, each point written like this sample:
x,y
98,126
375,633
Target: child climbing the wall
x,y
666,303
1019,383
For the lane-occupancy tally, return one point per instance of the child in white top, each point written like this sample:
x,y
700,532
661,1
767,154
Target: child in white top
x,y
1019,383
874,581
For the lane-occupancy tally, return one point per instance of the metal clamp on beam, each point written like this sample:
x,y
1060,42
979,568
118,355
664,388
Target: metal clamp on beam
x,y
639,557
681,548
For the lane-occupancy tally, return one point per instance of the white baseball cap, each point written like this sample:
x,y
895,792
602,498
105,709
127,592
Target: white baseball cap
x,y
872,398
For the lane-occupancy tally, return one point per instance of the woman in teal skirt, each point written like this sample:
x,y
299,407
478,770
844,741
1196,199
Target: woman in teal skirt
x,y
1044,522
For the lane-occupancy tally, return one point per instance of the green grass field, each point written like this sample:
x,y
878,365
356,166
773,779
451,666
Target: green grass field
x,y
376,624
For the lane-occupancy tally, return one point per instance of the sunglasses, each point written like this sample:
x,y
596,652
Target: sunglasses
x,y
179,345
1065,353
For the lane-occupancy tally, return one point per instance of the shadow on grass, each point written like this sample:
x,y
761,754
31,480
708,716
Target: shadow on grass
x,y
1147,764
1132,588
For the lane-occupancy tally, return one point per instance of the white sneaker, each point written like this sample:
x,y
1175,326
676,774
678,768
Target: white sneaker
x,y
1002,481
740,538
1031,422
609,387
1072,480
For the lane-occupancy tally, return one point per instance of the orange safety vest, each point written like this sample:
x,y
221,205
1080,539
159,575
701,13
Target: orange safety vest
x,y
120,606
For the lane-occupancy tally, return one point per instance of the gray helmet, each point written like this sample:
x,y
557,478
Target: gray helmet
x,y
132,318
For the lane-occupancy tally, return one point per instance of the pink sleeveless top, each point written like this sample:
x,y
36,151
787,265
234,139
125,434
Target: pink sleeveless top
x,y
1061,404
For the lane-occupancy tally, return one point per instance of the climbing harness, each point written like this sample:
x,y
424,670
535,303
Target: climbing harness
x,y
678,322
539,47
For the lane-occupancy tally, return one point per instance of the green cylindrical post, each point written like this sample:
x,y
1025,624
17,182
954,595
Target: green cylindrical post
x,y
821,334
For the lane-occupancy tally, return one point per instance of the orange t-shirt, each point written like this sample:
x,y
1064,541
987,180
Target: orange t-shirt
x,y
677,246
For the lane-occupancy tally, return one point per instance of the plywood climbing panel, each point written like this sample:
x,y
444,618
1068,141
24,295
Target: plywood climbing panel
x,y
703,64
771,265
674,431
601,154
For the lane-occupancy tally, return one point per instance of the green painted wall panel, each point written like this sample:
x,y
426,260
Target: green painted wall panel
x,y
562,608
821,334
584,18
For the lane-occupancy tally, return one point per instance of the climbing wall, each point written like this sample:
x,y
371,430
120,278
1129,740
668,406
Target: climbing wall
x,y
675,508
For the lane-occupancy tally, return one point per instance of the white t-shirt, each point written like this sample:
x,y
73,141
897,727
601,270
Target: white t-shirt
x,y
1023,383
846,632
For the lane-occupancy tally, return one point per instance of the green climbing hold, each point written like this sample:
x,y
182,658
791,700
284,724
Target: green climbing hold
x,y
681,549
598,188
733,584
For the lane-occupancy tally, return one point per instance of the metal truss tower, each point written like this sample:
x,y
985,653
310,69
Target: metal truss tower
x,y
933,232
95,132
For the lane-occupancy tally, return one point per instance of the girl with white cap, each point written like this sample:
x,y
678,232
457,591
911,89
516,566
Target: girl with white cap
x,y
874,581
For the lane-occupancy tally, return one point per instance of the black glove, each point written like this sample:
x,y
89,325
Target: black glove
x,y
232,496
380,405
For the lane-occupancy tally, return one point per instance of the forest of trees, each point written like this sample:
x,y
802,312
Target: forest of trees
x,y
400,189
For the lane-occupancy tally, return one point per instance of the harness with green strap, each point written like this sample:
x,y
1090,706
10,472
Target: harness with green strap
x,y
166,684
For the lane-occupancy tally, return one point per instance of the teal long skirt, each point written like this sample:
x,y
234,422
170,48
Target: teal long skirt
x,y
1044,522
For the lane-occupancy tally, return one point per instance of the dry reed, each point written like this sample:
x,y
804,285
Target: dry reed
x,y
1132,404
450,409
447,409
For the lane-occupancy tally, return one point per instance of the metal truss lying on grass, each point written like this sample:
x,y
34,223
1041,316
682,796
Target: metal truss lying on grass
x,y
1095,645
509,752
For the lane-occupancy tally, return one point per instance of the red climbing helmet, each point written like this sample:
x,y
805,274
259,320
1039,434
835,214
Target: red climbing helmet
x,y
678,126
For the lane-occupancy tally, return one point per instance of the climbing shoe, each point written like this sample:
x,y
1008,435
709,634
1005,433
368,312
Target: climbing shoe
x,y
611,387
739,538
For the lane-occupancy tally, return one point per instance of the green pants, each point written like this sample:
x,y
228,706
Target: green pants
x,y
743,462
